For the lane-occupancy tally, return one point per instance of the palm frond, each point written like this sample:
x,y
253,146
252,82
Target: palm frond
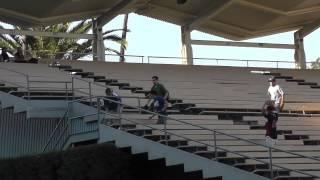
x,y
115,30
113,50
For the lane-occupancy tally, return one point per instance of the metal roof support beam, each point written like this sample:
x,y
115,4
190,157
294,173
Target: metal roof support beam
x,y
242,44
46,34
299,54
309,28
112,13
186,52
210,13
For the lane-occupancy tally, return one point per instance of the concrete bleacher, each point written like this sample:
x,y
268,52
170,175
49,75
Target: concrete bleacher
x,y
206,87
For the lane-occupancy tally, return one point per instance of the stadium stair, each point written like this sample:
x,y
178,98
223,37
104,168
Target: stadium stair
x,y
177,104
300,82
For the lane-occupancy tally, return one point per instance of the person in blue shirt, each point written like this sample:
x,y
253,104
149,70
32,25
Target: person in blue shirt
x,y
159,106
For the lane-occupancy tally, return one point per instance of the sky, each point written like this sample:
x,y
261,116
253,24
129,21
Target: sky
x,y
150,37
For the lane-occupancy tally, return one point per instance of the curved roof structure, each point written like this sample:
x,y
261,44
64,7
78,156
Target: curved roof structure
x,y
232,19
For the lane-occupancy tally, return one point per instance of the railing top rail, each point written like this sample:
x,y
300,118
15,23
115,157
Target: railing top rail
x,y
54,82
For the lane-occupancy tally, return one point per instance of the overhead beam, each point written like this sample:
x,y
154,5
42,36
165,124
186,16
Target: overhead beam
x,y
113,12
309,28
209,13
46,34
304,11
259,6
242,44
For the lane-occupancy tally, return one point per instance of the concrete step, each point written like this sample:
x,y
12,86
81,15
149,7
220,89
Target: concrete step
x,y
140,132
156,137
295,137
272,74
315,87
118,84
311,142
251,123
256,127
267,173
174,143
293,178
63,66
174,100
145,92
183,105
283,77
125,126
107,81
251,167
193,149
73,70
84,74
295,80
131,88
211,154
307,83
95,78
231,160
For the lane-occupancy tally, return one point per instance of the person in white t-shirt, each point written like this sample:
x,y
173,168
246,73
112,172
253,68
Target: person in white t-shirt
x,y
276,94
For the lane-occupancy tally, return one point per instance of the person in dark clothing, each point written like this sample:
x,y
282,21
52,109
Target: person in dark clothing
x,y
112,106
159,106
18,56
4,55
270,113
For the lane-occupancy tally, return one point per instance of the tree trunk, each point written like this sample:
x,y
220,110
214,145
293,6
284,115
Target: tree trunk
x,y
124,37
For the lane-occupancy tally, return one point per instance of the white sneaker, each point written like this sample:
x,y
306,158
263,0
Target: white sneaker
x,y
270,142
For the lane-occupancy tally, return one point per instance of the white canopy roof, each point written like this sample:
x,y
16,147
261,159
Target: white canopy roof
x,y
233,19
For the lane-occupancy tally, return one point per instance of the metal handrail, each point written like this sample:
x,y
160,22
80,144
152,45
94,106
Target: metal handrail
x,y
199,142
209,145
54,131
204,128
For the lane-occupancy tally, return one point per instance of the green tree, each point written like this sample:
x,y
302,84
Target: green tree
x,y
58,48
316,64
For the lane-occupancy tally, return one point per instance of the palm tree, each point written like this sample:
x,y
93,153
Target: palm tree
x,y
58,48
124,36
316,64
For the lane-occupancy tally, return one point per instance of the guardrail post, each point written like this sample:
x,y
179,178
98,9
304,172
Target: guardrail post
x,y
148,59
277,64
67,92
90,94
119,116
270,164
28,86
99,110
139,104
215,145
72,87
165,130
247,63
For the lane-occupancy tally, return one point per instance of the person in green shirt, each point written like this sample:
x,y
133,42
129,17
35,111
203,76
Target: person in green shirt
x,y
159,89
